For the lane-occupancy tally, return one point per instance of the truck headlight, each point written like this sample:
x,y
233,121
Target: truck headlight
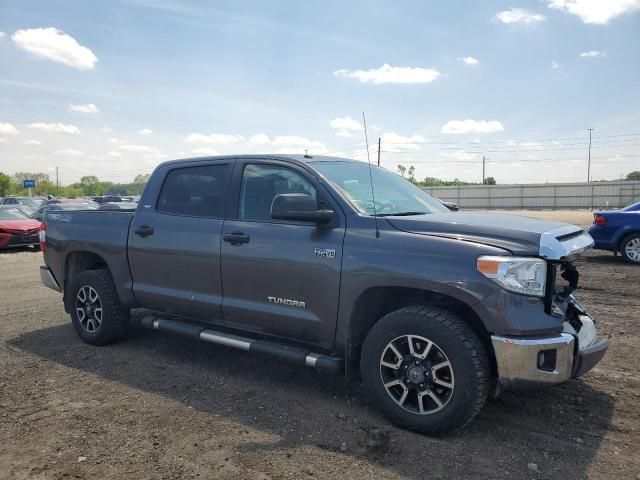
x,y
523,275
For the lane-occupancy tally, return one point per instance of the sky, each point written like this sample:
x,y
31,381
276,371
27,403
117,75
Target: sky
x,y
113,88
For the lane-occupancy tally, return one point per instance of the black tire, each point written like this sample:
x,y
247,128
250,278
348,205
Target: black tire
x,y
627,243
468,375
36,247
114,319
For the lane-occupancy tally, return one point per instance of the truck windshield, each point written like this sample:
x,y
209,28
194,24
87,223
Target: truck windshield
x,y
394,195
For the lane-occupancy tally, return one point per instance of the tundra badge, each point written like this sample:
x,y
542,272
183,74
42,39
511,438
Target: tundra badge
x,y
287,301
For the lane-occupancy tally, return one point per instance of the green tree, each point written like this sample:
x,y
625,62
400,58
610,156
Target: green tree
x,y
635,175
5,184
141,178
19,177
90,185
402,170
489,181
412,174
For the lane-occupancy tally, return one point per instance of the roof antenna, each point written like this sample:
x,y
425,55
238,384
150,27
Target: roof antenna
x,y
373,196
306,155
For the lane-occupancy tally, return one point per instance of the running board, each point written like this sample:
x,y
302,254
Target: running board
x,y
290,353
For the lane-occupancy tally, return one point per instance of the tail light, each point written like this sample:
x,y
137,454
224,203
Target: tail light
x,y
42,234
599,220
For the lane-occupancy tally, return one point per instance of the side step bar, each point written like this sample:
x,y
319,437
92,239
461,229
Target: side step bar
x,y
290,353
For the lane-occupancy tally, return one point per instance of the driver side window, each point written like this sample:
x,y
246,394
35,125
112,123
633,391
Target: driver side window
x,y
261,183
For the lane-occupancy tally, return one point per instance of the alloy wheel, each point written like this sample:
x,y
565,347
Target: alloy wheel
x,y
417,374
89,309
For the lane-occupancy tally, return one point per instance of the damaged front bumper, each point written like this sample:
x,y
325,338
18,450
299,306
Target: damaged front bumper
x,y
549,360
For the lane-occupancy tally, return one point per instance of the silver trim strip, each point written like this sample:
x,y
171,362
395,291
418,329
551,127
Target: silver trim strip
x,y
311,359
46,277
554,249
225,339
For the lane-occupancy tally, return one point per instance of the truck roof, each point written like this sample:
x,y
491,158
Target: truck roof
x,y
295,158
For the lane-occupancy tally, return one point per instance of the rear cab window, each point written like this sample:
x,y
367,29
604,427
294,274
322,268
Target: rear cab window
x,y
198,191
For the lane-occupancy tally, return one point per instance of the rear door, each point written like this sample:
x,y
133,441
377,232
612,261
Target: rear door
x,y
280,277
174,241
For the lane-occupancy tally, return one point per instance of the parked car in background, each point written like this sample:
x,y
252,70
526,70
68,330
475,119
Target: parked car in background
x,y
108,199
16,228
118,206
63,206
32,202
618,231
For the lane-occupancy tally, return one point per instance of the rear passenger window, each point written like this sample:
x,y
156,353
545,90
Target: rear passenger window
x,y
194,191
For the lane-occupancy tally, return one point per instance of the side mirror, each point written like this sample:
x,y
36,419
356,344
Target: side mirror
x,y
299,207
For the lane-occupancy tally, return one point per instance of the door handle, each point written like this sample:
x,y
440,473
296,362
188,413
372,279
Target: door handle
x,y
144,230
236,238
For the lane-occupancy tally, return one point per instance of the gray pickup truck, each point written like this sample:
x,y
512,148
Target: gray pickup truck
x,y
333,264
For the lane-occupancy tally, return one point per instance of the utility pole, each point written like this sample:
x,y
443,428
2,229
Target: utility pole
x,y
589,157
483,168
57,183
379,143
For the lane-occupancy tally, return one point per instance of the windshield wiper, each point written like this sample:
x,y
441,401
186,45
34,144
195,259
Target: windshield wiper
x,y
400,214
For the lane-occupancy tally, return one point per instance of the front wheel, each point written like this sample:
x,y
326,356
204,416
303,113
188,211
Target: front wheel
x,y
630,248
426,369
96,312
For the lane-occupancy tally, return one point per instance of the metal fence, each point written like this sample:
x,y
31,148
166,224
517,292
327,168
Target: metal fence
x,y
541,196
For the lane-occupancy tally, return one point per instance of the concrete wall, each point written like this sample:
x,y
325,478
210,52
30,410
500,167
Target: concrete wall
x,y
550,196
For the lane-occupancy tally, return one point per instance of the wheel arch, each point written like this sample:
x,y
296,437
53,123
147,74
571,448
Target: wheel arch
x,y
626,234
374,303
77,262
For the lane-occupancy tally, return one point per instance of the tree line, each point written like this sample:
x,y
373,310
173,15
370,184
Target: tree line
x,y
88,186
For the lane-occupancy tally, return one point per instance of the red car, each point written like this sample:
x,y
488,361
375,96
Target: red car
x,y
17,229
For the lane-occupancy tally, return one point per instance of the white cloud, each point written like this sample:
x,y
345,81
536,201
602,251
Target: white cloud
x,y
593,54
471,126
3,140
519,16
470,60
139,148
388,74
345,126
86,108
459,155
391,141
344,133
205,151
213,138
259,139
35,143
69,152
596,11
2,34
55,45
145,131
114,140
8,129
105,130
555,65
345,123
55,128
114,154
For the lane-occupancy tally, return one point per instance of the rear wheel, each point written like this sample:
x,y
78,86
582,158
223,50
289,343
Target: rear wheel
x,y
96,312
426,369
630,248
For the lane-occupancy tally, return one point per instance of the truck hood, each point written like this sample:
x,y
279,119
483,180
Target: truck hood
x,y
519,235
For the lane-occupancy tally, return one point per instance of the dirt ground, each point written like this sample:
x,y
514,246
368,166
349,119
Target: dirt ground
x,y
157,406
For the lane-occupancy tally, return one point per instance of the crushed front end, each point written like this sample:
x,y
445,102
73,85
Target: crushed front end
x,y
540,360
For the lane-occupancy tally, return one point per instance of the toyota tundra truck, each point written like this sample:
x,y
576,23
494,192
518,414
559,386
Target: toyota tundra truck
x,y
337,265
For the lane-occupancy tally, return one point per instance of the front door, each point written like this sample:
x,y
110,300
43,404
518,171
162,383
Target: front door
x,y
174,245
280,277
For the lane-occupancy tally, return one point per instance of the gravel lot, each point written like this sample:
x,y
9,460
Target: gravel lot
x,y
157,406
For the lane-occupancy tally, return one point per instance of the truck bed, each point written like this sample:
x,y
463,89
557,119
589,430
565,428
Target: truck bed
x,y
93,232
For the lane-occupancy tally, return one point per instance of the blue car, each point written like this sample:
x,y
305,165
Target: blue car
x,y
618,231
